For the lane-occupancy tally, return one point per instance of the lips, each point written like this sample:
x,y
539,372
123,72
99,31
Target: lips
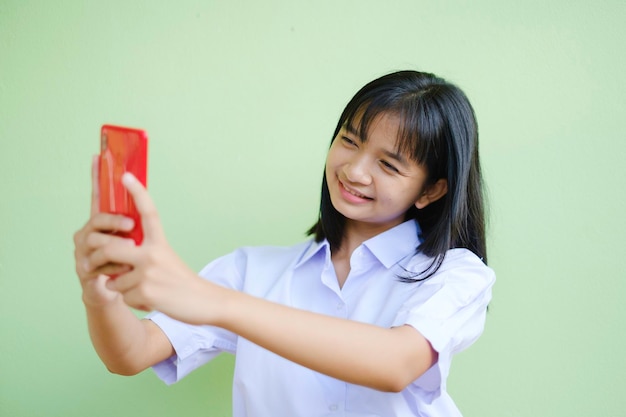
x,y
353,195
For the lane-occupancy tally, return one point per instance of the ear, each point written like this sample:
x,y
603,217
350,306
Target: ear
x,y
432,193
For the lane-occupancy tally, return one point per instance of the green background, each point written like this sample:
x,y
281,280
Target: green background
x,y
240,99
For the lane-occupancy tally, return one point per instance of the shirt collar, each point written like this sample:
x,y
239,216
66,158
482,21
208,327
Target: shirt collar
x,y
396,243
312,249
389,247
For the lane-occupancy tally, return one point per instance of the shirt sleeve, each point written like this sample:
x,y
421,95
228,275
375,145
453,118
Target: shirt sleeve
x,y
449,310
196,345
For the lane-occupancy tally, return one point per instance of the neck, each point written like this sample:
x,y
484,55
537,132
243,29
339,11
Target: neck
x,y
355,233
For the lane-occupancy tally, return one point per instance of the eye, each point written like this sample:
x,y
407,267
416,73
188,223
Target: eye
x,y
348,141
388,166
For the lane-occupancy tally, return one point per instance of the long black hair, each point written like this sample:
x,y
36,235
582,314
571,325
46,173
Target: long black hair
x,y
438,130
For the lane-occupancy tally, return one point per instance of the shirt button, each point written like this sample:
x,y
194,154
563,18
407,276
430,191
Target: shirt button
x,y
333,407
340,306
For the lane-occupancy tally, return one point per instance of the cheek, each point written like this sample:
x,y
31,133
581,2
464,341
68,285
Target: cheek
x,y
333,159
328,168
405,195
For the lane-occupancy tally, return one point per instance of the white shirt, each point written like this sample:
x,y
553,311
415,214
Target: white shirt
x,y
448,309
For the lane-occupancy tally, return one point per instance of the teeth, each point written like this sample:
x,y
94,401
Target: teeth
x,y
354,193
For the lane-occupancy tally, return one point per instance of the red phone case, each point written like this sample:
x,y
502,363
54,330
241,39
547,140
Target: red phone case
x,y
122,149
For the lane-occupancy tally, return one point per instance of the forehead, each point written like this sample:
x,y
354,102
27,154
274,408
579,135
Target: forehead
x,y
383,128
400,127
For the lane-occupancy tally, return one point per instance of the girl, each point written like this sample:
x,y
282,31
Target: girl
x,y
360,320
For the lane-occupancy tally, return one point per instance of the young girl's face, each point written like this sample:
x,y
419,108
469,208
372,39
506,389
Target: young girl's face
x,y
369,182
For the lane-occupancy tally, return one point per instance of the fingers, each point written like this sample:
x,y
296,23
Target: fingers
x,y
100,223
95,241
134,294
96,234
145,206
111,223
111,253
113,270
95,186
137,293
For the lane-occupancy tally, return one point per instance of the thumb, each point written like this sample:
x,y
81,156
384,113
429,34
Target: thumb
x,y
150,222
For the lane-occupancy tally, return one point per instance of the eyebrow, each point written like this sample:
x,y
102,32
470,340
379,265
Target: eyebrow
x,y
352,130
393,155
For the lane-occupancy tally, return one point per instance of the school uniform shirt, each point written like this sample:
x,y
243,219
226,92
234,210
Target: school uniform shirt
x,y
448,309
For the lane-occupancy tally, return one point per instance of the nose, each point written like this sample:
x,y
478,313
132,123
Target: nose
x,y
357,170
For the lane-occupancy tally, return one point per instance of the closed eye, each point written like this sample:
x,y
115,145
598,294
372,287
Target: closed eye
x,y
388,166
348,141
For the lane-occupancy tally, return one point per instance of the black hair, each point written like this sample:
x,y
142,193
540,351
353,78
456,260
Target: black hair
x,y
438,130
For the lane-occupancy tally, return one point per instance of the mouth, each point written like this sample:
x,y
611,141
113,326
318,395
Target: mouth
x,y
353,192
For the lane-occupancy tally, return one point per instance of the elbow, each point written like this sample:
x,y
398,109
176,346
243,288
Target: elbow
x,y
390,381
404,374
396,388
395,385
123,365
123,370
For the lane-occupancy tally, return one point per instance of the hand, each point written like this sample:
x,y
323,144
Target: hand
x,y
93,234
154,278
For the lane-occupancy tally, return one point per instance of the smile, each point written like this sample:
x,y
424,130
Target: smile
x,y
353,192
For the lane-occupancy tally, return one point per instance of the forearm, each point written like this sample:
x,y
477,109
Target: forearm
x,y
359,353
120,339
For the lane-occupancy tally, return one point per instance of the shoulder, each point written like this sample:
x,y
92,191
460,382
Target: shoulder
x,y
461,258
272,253
449,308
460,268
261,259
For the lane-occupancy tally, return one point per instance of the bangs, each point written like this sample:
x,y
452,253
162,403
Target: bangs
x,y
418,131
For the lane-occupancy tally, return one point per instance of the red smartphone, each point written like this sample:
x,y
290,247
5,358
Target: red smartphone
x,y
122,149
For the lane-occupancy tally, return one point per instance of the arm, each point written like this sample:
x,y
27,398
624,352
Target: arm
x,y
359,353
384,359
125,344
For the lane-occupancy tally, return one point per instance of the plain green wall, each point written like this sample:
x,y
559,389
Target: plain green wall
x,y
240,99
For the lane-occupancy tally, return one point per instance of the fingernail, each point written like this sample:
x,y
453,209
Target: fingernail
x,y
110,284
128,178
127,224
